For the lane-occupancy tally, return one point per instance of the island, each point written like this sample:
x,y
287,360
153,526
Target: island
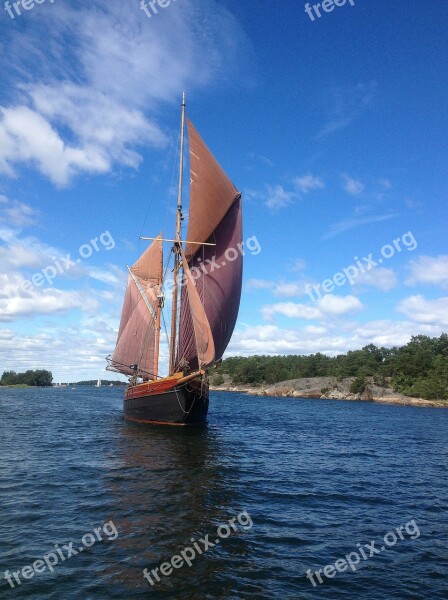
x,y
37,378
414,374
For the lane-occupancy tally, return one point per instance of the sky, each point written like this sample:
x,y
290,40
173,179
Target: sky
x,y
334,128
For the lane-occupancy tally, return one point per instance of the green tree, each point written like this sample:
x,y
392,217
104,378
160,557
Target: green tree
x,y
417,366
9,378
358,385
40,378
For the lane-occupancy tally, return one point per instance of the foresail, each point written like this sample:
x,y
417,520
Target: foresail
x,y
135,343
136,334
211,192
217,271
148,266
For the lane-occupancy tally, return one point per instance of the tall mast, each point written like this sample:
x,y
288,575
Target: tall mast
x,y
176,247
158,322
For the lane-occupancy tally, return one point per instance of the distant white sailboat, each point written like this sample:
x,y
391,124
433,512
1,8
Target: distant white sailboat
x,y
98,383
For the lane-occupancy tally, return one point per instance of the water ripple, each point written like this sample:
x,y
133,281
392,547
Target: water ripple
x,y
317,478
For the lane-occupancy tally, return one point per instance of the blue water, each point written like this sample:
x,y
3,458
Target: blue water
x,y
315,477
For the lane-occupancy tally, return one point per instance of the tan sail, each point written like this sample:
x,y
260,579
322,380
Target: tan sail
x,y
211,192
205,347
215,217
148,266
218,282
137,342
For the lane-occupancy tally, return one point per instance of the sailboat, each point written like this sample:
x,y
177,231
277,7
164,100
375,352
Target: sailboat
x,y
98,383
206,282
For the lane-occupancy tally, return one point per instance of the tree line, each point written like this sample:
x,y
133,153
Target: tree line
x,y
39,378
420,368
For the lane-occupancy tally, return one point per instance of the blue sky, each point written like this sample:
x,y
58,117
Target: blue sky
x,y
334,129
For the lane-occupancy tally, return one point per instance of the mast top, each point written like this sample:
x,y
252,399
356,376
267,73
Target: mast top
x,y
183,99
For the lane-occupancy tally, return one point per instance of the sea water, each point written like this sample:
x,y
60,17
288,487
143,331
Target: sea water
x,y
271,491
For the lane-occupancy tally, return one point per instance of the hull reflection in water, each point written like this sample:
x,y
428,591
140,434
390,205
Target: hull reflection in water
x,y
172,486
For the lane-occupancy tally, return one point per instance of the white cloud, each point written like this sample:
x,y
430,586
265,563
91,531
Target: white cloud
x,y
390,333
352,186
345,104
26,253
270,339
307,183
250,194
380,278
289,289
16,214
354,223
277,197
283,289
420,310
69,353
291,310
72,351
24,257
105,132
117,278
385,183
258,284
15,302
413,204
73,345
298,265
117,67
31,138
429,270
262,159
329,305
315,330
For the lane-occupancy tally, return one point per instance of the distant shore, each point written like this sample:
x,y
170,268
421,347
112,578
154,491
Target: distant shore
x,y
331,389
16,385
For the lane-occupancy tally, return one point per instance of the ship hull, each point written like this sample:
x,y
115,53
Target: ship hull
x,y
185,404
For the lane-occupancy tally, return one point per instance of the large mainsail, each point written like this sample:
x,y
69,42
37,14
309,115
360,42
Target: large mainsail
x,y
211,192
215,217
137,336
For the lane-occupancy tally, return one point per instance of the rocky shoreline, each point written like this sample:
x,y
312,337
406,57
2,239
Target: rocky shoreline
x,y
329,388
